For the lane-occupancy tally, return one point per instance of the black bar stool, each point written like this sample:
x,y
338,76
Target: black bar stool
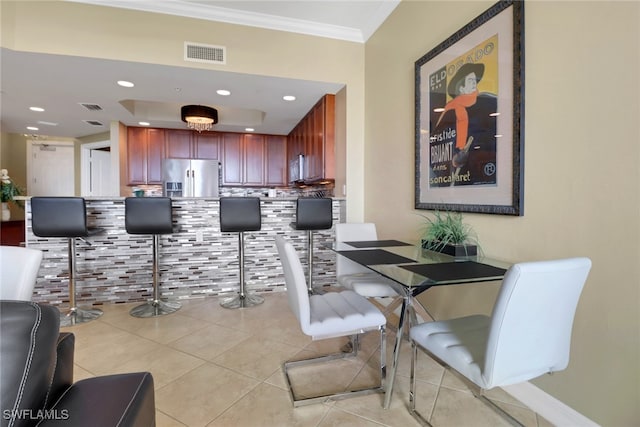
x,y
312,214
150,215
65,217
237,215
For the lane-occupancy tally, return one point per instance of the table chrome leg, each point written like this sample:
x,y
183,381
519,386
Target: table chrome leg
x,y
406,302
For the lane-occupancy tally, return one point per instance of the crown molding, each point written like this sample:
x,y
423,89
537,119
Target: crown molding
x,y
254,19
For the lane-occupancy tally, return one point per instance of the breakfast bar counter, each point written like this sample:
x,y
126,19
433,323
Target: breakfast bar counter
x,y
198,260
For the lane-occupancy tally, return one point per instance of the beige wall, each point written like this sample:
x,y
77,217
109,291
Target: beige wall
x,y
94,31
582,186
13,154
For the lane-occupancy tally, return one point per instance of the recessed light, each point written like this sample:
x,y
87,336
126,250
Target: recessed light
x,y
289,98
38,109
32,128
125,83
249,129
144,123
223,92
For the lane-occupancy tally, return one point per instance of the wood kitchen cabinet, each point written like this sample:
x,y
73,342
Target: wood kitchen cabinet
x,y
275,167
314,136
145,151
189,144
232,168
207,145
253,160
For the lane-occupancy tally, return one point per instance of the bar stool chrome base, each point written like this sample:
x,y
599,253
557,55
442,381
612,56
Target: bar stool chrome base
x,y
316,290
155,308
77,316
239,301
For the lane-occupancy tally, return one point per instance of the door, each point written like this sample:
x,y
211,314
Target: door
x,y
232,160
204,176
96,169
175,175
99,173
50,169
275,160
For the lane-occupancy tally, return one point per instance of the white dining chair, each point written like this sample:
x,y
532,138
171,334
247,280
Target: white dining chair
x,y
324,316
527,335
354,276
360,279
18,272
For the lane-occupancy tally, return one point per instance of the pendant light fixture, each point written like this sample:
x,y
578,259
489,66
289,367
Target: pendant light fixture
x,y
199,117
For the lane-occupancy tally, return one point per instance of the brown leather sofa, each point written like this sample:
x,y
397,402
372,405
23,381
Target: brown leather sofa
x,y
36,376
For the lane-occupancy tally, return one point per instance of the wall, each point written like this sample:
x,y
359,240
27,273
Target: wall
x,y
94,31
581,178
13,154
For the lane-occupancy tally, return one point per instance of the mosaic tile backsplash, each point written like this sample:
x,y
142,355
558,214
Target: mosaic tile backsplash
x,y
196,261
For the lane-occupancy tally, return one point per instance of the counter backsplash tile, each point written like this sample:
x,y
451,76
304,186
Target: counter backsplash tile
x,y
309,191
197,261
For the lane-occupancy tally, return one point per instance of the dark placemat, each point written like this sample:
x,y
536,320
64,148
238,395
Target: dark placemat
x,y
376,243
456,270
375,256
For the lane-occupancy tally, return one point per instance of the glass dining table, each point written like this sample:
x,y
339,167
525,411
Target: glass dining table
x,y
414,270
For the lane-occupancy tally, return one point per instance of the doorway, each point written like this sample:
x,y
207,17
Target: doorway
x,y
95,169
50,168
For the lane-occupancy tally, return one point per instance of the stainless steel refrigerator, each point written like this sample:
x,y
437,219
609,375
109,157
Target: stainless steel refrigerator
x,y
190,178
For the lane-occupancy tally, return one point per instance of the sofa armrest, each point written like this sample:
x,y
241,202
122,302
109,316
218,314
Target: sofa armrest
x,y
63,374
111,400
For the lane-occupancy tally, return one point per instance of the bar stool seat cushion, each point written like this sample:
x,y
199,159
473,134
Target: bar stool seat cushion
x,y
59,217
313,214
148,215
239,214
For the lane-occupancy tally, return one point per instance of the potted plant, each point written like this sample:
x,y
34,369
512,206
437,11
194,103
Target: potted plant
x,y
9,191
447,233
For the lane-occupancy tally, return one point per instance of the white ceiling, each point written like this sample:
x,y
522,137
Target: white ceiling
x,y
59,84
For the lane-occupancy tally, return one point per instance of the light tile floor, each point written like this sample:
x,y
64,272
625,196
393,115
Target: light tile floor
x,y
218,367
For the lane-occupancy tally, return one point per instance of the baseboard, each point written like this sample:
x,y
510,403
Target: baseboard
x,y
553,410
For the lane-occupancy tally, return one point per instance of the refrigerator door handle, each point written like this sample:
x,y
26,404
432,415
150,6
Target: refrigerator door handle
x,y
193,183
187,184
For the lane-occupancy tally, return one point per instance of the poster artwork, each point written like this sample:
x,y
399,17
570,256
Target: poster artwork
x,y
462,139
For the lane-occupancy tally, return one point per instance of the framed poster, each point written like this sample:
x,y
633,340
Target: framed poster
x,y
469,117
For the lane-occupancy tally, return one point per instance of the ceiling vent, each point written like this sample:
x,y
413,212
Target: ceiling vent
x,y
91,107
93,122
197,52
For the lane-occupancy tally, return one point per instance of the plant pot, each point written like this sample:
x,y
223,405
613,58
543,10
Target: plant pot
x,y
6,213
455,250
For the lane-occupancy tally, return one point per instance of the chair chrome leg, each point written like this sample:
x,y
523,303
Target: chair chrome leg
x,y
75,315
505,415
412,388
155,307
242,299
307,400
475,389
